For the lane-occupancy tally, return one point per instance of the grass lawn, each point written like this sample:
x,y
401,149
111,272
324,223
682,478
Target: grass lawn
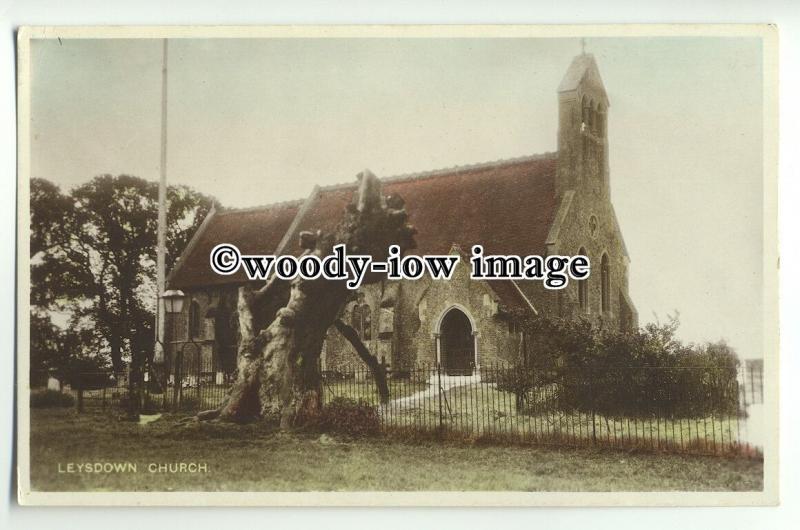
x,y
255,458
485,409
365,390
192,399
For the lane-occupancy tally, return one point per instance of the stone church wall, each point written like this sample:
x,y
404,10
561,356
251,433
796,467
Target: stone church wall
x,y
215,346
580,231
415,317
424,304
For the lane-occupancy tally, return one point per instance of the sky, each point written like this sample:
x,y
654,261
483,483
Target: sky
x,y
255,121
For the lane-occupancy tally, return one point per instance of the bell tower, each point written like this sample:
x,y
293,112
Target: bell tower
x,y
582,129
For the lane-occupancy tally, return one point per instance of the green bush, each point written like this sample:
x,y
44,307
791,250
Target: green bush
x,y
347,416
643,372
41,399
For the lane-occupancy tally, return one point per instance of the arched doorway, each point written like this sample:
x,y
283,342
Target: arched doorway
x,y
457,343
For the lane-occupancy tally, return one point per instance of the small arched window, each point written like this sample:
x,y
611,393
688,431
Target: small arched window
x,y
366,322
605,285
194,320
355,318
361,320
583,288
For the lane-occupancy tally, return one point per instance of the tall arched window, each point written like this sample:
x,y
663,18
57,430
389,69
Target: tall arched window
x,y
584,113
586,127
583,288
605,285
601,120
597,119
600,125
194,320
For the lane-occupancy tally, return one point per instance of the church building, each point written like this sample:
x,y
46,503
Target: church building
x,y
545,204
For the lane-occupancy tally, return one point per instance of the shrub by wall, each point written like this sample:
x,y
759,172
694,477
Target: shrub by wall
x,y
645,372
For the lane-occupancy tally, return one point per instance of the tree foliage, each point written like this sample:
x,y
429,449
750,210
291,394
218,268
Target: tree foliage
x,y
61,352
93,255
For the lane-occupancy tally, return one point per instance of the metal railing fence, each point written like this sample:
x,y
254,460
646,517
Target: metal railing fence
x,y
625,407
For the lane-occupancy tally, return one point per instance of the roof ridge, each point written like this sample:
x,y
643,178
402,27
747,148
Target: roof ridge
x,y
418,175
450,170
279,204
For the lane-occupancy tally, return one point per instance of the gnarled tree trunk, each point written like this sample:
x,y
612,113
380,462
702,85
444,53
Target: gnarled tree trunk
x,y
283,325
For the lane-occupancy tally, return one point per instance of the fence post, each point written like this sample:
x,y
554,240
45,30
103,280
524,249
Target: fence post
x,y
176,383
594,429
164,370
80,398
199,364
321,382
439,384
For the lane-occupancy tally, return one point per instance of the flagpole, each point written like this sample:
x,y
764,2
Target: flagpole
x,y
161,250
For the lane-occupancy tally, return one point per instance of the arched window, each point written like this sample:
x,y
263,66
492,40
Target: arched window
x,y
584,113
361,320
194,320
583,288
605,285
601,153
355,318
595,113
601,120
366,322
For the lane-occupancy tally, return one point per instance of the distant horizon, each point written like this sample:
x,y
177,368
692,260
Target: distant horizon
x,y
283,115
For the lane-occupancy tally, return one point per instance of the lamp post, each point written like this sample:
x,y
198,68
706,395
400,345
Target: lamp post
x,y
173,300
173,305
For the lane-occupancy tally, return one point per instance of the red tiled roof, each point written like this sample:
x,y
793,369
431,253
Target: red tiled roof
x,y
253,231
506,206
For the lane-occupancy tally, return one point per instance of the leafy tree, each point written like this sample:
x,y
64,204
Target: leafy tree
x,y
93,254
61,352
